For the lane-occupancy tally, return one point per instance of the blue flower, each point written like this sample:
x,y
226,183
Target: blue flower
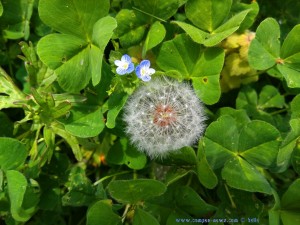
x,y
143,71
124,65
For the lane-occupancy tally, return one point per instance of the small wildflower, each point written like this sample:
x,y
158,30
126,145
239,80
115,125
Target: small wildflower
x,y
164,116
124,65
143,71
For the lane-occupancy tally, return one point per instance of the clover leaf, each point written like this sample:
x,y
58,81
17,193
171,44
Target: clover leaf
x,y
75,53
265,51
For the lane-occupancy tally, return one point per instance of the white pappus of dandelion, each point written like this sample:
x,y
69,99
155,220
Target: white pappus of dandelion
x,y
163,116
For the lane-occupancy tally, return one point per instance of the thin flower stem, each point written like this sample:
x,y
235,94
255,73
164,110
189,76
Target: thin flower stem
x,y
229,195
190,179
149,14
127,207
109,176
80,222
23,135
278,111
91,156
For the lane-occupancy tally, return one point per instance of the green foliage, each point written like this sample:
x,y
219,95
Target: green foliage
x,y
80,43
203,67
23,200
287,209
15,18
267,45
123,153
211,21
1,9
133,191
84,121
101,213
142,217
155,36
12,154
9,92
65,156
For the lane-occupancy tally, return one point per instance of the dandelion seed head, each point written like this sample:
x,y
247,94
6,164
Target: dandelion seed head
x,y
164,116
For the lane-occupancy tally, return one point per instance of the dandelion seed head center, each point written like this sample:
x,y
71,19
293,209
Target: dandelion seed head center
x,y
164,115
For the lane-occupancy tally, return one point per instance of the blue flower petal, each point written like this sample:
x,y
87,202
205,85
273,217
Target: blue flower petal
x,y
143,70
151,71
126,58
130,68
145,63
118,62
121,71
146,78
124,66
138,71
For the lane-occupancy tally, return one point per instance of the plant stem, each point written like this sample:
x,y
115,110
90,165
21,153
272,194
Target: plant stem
x,y
125,212
109,176
229,195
